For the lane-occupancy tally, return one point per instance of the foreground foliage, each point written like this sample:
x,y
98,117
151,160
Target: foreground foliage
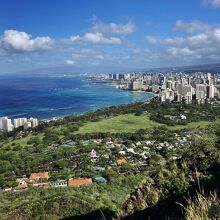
x,y
203,207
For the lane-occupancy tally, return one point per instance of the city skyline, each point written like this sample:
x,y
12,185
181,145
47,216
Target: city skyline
x,y
98,35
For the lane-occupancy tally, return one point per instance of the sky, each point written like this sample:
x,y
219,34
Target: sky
x,y
106,35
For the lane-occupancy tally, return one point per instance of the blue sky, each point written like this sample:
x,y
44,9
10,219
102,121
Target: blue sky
x,y
107,34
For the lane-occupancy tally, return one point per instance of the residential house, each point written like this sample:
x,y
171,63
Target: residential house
x,y
100,179
130,150
183,117
79,182
22,183
121,162
39,176
122,152
59,183
93,154
41,185
138,143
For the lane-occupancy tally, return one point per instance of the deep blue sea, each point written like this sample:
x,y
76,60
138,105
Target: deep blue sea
x,y
46,96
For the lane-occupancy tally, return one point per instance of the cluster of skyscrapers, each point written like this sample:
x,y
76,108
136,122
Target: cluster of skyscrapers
x,y
200,87
180,87
7,124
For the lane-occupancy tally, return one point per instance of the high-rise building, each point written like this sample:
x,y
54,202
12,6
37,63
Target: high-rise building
x,y
137,85
6,124
200,96
186,90
210,91
178,97
34,122
1,122
188,98
167,95
201,90
180,88
169,84
27,125
18,122
189,80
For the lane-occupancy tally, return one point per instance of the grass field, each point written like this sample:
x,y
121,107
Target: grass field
x,y
200,124
130,123
23,141
120,124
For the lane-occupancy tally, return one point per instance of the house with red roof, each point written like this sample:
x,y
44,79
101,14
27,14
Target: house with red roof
x,y
41,185
39,176
79,182
121,162
22,183
21,186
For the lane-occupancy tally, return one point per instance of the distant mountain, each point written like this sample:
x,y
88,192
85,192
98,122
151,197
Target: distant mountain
x,y
58,70
204,67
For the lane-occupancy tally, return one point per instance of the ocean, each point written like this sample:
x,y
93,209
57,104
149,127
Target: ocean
x,y
45,97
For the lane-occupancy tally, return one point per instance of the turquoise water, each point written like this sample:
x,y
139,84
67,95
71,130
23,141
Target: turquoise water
x,y
45,97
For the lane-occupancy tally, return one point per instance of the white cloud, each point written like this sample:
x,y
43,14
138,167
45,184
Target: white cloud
x,y
21,41
115,28
164,41
87,54
200,42
100,57
96,56
101,33
99,38
212,3
216,34
197,41
152,39
96,38
70,62
191,27
75,38
180,51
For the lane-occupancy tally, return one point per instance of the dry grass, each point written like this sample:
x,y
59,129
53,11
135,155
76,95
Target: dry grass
x,y
203,207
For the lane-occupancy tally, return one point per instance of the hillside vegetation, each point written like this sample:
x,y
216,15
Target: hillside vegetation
x,y
129,123
164,162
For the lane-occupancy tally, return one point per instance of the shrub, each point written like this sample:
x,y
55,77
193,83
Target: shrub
x,y
206,208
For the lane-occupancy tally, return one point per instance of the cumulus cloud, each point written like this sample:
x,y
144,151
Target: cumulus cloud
x,y
115,28
96,38
212,3
86,54
102,33
180,51
14,40
191,27
70,62
96,56
201,40
199,43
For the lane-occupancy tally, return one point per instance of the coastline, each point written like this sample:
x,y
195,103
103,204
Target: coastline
x,y
86,112
112,84
77,91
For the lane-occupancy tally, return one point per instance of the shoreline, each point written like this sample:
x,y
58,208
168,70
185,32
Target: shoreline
x,y
86,112
82,113
76,112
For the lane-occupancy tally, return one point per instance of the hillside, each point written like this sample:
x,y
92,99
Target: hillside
x,y
152,163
